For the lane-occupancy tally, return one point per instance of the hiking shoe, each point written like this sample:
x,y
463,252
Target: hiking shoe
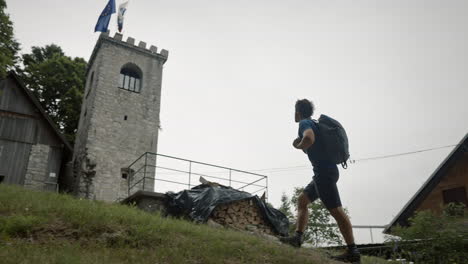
x,y
350,256
295,241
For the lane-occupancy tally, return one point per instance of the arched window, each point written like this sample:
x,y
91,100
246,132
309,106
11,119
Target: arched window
x,y
130,78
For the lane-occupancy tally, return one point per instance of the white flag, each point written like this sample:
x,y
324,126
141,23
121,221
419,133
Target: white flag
x,y
120,16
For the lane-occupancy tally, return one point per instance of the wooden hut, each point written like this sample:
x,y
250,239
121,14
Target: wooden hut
x,y
448,184
33,152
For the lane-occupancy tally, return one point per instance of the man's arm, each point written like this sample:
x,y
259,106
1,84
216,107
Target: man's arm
x,y
308,140
296,141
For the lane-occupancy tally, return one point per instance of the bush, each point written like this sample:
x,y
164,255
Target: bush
x,y
434,238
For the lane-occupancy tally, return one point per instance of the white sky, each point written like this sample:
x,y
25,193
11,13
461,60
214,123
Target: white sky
x,y
392,72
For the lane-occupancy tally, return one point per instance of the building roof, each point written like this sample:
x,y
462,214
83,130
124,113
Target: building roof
x,y
12,75
402,217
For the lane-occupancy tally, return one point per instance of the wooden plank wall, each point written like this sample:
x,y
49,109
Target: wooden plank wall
x,y
457,176
46,136
14,157
22,125
17,128
13,99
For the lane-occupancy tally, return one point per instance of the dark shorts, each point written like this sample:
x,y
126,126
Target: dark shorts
x,y
323,186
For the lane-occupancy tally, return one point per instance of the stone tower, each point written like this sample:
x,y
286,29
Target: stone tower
x,y
119,118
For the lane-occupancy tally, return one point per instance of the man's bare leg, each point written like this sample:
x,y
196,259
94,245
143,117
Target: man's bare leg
x,y
302,218
302,212
344,224
352,254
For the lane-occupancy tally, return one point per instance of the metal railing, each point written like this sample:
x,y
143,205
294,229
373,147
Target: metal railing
x,y
370,227
177,173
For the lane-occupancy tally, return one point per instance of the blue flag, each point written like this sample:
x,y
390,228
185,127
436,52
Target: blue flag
x,y
104,18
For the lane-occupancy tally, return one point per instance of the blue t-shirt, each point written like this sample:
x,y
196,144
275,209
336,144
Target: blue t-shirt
x,y
316,151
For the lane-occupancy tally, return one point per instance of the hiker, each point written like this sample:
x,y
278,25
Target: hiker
x,y
322,186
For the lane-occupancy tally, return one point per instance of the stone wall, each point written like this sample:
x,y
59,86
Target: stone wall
x,y
81,176
117,126
148,201
36,173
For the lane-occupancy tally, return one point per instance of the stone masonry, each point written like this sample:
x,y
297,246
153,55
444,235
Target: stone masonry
x,y
116,125
36,173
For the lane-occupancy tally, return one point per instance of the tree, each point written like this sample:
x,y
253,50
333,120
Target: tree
x,y
8,46
432,238
58,82
285,206
321,228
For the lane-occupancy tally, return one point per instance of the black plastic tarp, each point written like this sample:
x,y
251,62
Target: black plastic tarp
x,y
198,203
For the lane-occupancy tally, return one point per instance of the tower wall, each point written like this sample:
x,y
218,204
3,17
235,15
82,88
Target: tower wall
x,y
116,125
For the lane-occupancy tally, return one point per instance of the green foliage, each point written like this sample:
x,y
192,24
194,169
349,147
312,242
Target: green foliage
x,y
58,82
320,229
8,46
376,260
285,207
432,238
52,228
19,225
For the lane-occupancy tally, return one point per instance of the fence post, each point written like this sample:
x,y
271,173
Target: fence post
x,y
128,181
266,185
230,177
190,174
371,236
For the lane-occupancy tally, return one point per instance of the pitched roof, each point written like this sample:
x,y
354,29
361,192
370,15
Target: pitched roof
x,y
402,217
36,103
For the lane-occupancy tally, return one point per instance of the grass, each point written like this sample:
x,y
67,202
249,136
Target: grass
x,y
375,260
39,227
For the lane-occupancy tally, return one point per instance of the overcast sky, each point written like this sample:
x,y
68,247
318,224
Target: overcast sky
x,y
393,72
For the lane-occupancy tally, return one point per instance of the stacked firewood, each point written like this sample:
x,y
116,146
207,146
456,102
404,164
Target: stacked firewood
x,y
242,215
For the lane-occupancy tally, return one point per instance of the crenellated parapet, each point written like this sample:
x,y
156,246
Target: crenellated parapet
x,y
130,42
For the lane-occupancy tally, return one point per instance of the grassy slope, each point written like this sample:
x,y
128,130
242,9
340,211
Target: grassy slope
x,y
37,227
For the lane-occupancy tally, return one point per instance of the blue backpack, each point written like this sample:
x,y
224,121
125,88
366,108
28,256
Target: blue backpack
x,y
334,140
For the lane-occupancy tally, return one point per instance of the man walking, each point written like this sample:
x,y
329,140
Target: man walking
x,y
322,186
